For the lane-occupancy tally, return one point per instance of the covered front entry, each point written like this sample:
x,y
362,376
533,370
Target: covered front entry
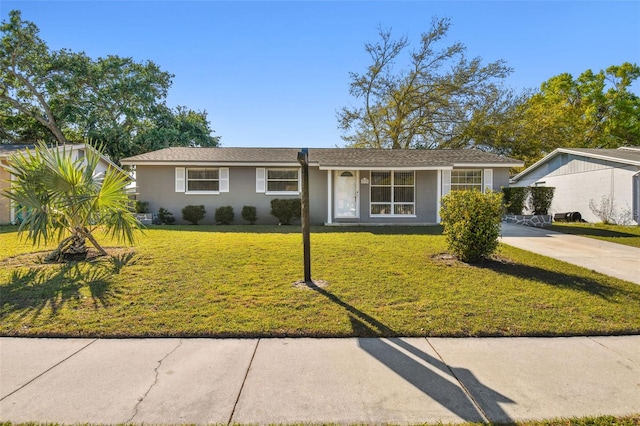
x,y
346,195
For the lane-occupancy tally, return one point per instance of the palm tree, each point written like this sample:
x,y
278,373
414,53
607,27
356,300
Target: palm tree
x,y
66,200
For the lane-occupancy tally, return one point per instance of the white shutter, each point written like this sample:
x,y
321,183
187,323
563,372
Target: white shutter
x,y
180,179
261,180
224,179
488,180
446,182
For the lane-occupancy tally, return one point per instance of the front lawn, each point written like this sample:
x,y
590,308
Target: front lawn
x,y
628,235
239,281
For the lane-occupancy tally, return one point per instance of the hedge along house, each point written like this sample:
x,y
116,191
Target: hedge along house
x,y
346,186
589,176
8,212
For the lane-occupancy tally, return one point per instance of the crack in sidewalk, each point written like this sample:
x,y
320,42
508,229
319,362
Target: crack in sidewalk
x,y
611,349
155,382
246,374
462,386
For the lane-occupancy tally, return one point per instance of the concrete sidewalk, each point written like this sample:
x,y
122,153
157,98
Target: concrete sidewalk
x,y
366,380
615,260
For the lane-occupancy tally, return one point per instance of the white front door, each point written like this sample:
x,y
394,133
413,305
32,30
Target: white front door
x,y
346,198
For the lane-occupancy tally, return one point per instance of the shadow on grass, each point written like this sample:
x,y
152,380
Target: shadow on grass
x,y
557,279
420,369
5,229
592,231
295,229
32,290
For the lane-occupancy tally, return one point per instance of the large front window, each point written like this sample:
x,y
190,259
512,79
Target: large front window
x,y
203,180
466,180
392,193
282,180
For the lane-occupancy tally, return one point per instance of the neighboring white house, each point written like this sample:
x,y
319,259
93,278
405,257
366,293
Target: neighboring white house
x,y
7,210
585,178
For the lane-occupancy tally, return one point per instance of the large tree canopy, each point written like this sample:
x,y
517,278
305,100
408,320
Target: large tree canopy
x,y
61,96
595,110
425,104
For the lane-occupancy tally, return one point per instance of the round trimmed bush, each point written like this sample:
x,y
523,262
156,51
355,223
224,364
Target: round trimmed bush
x,y
471,221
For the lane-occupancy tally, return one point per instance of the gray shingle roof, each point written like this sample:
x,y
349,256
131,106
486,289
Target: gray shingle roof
x,y
624,155
6,150
324,157
629,154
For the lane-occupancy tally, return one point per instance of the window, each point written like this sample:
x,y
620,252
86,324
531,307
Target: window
x,y
203,180
282,180
392,193
466,180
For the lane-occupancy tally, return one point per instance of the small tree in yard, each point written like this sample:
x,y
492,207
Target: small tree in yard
x,y
471,223
66,200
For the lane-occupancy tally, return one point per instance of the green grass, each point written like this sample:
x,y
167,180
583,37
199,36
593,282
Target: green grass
x,y
627,235
238,281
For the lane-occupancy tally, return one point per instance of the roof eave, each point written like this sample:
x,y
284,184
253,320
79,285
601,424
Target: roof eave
x,y
352,167
489,165
211,163
535,165
557,151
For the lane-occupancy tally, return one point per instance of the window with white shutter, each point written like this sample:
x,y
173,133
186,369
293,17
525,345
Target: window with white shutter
x,y
260,180
488,180
180,182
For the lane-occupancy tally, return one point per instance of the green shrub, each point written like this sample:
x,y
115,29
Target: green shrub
x,y
165,216
224,215
471,222
249,213
515,199
540,199
286,210
193,214
141,206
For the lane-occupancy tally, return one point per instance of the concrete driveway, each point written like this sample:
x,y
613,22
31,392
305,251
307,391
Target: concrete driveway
x,y
616,260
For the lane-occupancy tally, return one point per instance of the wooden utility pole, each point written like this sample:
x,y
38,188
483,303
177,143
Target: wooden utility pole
x,y
303,159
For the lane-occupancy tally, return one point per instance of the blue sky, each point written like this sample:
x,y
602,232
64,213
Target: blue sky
x,y
275,73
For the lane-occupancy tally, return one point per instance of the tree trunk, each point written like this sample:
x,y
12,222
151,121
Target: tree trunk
x,y
71,248
93,241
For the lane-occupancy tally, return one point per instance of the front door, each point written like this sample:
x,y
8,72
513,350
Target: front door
x,y
346,194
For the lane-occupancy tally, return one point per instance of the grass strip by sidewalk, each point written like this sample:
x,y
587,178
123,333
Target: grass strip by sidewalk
x,y
627,235
238,281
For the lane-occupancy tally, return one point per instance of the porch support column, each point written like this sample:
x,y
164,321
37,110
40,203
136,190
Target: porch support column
x,y
12,204
329,194
439,194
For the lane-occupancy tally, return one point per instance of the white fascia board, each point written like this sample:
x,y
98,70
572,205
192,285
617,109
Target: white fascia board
x,y
103,157
208,164
384,168
488,165
536,165
557,151
602,157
